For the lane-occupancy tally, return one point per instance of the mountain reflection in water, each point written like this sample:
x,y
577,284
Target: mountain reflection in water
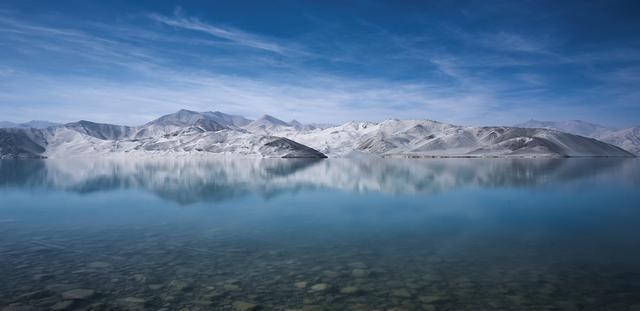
x,y
188,181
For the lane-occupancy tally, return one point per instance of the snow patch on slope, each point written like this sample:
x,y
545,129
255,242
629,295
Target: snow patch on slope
x,y
628,138
425,138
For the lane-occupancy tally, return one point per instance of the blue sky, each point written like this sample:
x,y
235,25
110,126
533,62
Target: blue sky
x,y
464,62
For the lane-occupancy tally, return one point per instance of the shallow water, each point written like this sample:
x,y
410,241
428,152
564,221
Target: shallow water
x,y
336,234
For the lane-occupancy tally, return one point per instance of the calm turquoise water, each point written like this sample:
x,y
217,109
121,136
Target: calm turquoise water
x,y
456,234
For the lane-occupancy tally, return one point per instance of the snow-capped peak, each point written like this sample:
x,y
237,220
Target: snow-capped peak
x,y
267,119
182,117
267,124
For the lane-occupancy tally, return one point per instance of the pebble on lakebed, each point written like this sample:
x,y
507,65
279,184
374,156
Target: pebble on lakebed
x,y
78,294
349,290
319,287
401,293
132,301
244,306
360,273
62,305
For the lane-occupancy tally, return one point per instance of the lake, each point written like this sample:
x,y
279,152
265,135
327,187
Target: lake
x,y
334,234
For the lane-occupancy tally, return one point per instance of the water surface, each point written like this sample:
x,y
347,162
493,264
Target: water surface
x,y
335,234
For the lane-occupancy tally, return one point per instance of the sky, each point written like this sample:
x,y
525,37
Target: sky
x,y
462,62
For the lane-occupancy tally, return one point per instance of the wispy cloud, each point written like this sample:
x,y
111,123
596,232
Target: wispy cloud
x,y
233,35
508,41
32,40
135,71
6,72
162,86
318,99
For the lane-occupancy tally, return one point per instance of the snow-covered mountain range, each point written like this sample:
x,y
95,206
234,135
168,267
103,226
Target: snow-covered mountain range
x,y
626,138
215,133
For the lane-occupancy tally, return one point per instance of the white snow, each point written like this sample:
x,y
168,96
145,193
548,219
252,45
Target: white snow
x,y
627,138
425,138
188,133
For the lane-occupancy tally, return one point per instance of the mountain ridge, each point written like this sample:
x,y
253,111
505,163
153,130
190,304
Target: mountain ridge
x,y
626,138
38,124
187,132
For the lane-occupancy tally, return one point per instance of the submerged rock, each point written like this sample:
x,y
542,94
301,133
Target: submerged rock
x,y
32,295
349,290
78,294
180,285
319,287
244,306
155,286
431,299
330,274
132,301
140,278
360,273
62,305
402,292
